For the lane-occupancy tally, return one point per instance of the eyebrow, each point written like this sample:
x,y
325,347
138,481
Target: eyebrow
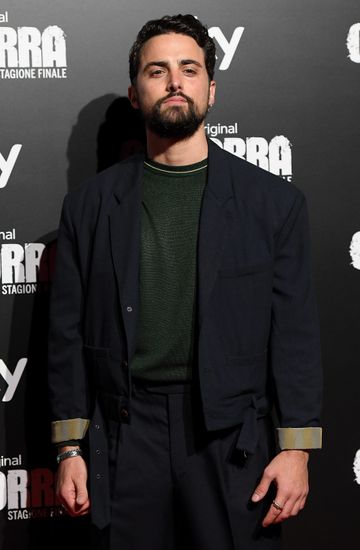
x,y
165,64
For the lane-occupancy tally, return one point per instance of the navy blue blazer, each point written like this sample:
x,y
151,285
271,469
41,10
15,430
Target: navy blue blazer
x,y
258,336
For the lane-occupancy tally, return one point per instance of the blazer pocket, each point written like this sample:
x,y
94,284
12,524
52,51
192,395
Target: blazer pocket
x,y
245,360
247,372
95,351
252,269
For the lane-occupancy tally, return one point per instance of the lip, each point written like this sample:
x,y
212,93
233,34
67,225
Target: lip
x,y
175,99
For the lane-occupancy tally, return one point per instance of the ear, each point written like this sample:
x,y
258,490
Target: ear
x,y
132,95
212,90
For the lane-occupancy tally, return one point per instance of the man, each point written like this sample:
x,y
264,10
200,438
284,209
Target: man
x,y
182,311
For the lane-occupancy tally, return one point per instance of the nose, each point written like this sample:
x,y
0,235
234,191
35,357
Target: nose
x,y
174,82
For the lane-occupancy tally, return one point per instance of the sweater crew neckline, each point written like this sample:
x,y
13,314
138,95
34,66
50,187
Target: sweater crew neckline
x,y
170,170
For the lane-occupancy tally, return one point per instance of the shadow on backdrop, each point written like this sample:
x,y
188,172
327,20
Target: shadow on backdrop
x,y
107,130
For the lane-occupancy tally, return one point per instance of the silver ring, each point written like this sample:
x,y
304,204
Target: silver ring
x,y
277,506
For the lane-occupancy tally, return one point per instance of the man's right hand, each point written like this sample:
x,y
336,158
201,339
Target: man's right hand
x,y
71,485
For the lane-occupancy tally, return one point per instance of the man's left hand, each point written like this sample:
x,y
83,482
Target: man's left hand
x,y
289,471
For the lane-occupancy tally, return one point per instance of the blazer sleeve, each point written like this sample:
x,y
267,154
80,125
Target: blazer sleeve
x,y
68,388
295,355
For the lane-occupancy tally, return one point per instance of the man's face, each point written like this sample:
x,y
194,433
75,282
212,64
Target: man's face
x,y
172,88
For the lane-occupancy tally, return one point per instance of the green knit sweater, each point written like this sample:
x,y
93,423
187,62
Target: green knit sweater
x,y
171,204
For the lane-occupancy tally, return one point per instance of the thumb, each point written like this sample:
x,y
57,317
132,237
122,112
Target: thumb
x,y
81,494
262,488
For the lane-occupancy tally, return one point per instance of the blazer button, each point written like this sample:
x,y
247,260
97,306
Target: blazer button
x,y
124,413
124,363
98,476
98,452
129,309
97,427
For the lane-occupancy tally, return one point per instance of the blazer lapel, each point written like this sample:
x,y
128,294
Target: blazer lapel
x,y
124,221
214,222
125,235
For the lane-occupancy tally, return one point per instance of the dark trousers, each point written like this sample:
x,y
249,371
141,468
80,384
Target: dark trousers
x,y
176,486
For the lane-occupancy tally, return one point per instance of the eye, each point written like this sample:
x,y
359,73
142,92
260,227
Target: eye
x,y
190,71
157,72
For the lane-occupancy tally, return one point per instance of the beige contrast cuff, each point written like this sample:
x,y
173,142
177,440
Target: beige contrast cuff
x,y
73,428
300,438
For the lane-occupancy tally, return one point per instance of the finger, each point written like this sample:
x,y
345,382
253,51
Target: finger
x,y
291,508
270,516
81,494
74,497
303,502
262,488
84,512
73,512
296,509
68,511
66,496
85,506
285,514
67,501
274,512
81,512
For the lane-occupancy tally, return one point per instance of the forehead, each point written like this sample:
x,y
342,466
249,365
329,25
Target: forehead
x,y
171,46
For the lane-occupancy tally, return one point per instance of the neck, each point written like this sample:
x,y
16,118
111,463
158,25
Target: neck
x,y
178,152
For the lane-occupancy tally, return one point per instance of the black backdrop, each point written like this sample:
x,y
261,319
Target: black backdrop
x,y
288,99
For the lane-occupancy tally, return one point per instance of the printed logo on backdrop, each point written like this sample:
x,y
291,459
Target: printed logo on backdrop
x,y
353,43
274,155
19,265
29,52
27,494
355,250
228,47
9,381
24,493
7,164
356,467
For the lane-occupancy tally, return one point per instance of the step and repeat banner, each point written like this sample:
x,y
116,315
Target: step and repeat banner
x,y
288,100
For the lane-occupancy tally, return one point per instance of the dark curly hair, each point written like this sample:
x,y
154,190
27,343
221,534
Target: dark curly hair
x,y
179,24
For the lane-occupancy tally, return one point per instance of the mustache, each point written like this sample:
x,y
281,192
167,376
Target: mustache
x,y
176,94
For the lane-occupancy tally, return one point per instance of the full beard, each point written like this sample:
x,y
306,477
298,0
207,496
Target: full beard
x,y
176,121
